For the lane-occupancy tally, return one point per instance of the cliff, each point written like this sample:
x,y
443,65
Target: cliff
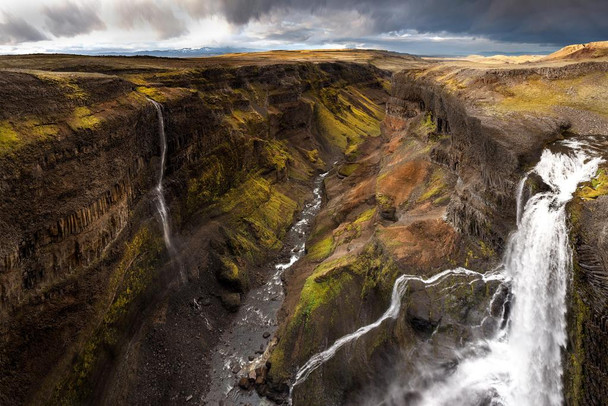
x,y
80,278
440,192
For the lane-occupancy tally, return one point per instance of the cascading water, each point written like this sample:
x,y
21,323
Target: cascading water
x,y
521,365
391,313
161,205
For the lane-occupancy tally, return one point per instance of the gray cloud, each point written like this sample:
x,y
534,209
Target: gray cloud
x,y
69,19
15,30
540,21
163,20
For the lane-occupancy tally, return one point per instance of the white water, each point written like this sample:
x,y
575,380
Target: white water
x,y
160,196
519,197
523,365
161,205
391,313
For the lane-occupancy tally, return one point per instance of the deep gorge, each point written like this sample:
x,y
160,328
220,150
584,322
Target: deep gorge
x,y
422,177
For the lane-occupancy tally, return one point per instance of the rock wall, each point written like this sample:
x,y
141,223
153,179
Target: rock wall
x,y
452,120
488,155
586,372
78,216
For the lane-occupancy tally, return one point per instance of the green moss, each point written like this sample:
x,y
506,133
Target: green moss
x,y
39,130
14,135
8,137
328,279
434,187
83,118
348,169
365,216
313,156
232,274
323,285
598,186
345,117
275,154
259,214
232,269
425,126
321,249
64,82
486,250
153,93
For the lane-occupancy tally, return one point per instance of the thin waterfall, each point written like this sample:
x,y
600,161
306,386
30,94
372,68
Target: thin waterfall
x,y
392,312
161,205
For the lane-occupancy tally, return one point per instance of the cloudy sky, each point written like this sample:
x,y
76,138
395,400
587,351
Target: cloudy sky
x,y
428,27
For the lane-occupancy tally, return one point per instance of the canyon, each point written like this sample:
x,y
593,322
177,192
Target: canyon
x,y
301,227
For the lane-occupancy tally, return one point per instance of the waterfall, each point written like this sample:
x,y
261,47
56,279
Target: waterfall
x,y
392,312
522,363
161,205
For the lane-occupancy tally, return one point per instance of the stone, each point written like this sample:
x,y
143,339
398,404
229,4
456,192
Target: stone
x,y
266,334
244,383
231,301
231,275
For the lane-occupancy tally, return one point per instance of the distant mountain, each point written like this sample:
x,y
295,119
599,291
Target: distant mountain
x,y
171,53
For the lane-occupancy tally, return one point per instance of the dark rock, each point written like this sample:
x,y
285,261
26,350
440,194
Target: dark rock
x,y
244,383
260,375
389,213
266,334
231,301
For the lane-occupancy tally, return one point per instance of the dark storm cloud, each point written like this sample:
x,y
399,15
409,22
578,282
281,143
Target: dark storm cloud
x,y
15,30
161,19
69,19
540,21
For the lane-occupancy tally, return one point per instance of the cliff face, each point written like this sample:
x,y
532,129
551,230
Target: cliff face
x,y
587,366
466,137
243,146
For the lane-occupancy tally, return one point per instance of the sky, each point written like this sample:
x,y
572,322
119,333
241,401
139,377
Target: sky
x,y
423,27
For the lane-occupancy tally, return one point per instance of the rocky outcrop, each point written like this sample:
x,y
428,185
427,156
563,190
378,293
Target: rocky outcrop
x,y
488,155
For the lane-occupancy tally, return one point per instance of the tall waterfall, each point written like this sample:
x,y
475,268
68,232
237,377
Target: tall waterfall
x,y
522,364
161,205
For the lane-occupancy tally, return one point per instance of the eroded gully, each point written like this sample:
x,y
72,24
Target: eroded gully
x,y
242,346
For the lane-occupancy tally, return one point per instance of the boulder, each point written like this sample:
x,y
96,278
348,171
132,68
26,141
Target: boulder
x,y
231,301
